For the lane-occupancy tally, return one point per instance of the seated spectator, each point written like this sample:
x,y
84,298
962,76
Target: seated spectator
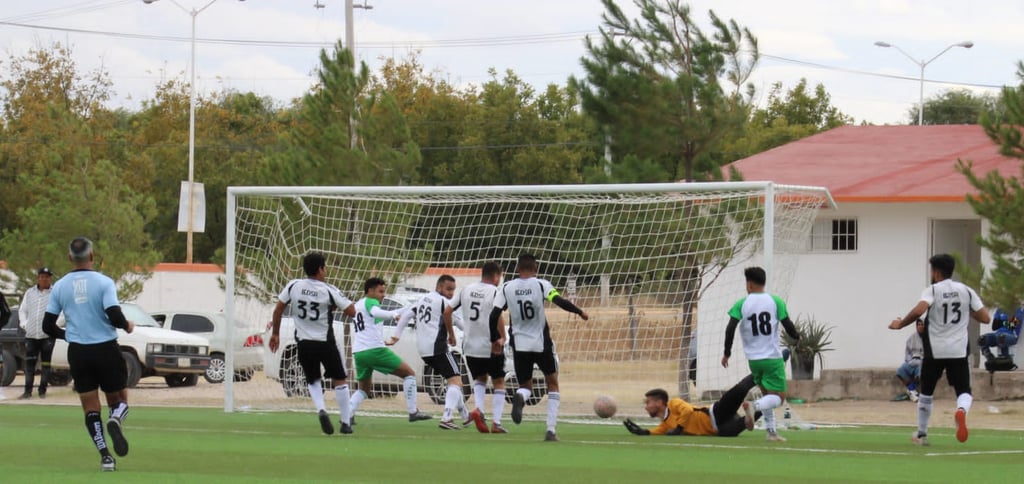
x,y
910,371
1006,333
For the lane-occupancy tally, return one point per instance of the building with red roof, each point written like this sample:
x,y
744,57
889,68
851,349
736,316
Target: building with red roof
x,y
900,200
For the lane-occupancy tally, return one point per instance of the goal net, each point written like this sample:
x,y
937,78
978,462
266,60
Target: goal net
x,y
656,266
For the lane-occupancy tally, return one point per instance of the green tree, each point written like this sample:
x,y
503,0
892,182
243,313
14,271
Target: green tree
x,y
318,144
955,106
1000,199
785,118
664,91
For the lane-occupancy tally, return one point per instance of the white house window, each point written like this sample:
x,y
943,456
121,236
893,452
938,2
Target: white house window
x,y
834,235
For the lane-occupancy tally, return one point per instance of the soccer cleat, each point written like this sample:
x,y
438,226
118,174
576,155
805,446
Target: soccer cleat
x,y
448,425
774,437
107,464
418,415
914,396
517,408
961,424
550,436
345,428
496,428
325,422
477,417
919,439
117,436
748,415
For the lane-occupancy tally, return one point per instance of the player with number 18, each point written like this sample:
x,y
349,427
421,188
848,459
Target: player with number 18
x,y
759,314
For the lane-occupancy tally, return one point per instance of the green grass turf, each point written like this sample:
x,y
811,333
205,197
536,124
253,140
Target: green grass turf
x,y
49,444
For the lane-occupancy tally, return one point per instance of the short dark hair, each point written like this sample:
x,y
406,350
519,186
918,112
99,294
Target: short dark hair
x,y
526,262
312,263
490,269
445,278
944,263
80,248
658,394
756,275
372,283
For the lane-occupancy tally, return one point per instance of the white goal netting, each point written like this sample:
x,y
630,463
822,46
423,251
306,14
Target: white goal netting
x,y
656,267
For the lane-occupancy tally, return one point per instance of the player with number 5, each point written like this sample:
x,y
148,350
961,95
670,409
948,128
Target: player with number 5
x,y
760,314
531,342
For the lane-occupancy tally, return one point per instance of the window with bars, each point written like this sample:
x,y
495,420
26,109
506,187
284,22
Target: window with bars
x,y
834,235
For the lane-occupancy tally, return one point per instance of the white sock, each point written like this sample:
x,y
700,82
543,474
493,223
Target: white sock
x,y
461,405
525,393
357,398
479,393
924,413
120,412
767,402
554,399
341,394
316,391
769,420
499,405
964,401
409,387
451,401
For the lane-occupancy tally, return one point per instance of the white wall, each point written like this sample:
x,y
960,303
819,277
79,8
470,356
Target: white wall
x,y
861,292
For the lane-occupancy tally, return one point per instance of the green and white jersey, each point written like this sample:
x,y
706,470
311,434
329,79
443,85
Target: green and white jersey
x,y
528,323
950,304
759,315
476,301
367,332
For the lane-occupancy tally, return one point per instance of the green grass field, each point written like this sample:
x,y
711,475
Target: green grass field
x,y
49,444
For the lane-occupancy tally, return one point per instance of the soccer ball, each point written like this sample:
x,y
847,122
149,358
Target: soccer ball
x,y
604,406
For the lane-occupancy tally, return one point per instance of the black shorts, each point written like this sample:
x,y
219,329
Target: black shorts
x,y
493,366
958,374
524,361
444,364
314,353
97,366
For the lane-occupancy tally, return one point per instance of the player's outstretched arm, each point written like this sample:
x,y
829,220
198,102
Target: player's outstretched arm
x,y
730,332
567,305
634,428
911,317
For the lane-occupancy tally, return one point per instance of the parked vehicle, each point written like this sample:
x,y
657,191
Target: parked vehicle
x,y
148,350
12,354
248,346
284,366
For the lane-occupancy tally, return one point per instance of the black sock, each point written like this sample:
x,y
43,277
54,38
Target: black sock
x,y
95,428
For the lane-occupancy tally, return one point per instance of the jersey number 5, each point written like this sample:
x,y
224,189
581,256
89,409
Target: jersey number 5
x,y
760,324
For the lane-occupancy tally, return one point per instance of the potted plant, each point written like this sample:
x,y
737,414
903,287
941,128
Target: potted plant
x,y
815,338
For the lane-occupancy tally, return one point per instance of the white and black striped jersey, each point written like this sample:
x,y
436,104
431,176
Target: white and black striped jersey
x,y
524,298
476,301
950,304
313,303
428,315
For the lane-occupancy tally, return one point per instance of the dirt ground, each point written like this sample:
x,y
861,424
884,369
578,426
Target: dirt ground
x,y
262,393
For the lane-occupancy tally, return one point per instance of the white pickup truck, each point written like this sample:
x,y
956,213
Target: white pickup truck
x,y
150,350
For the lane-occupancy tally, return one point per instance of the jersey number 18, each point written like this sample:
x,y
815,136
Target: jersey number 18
x,y
760,323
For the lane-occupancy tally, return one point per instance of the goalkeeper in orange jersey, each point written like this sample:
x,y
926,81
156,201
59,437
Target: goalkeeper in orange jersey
x,y
679,417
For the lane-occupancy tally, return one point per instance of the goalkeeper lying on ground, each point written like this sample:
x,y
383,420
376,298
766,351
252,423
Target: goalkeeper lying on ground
x,y
679,417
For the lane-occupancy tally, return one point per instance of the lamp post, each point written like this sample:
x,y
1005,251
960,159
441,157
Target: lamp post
x,y
922,63
194,12
350,42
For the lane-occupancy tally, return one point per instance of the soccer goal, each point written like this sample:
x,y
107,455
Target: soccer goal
x,y
656,266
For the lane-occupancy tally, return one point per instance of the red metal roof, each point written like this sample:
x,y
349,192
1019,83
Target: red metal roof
x,y
883,163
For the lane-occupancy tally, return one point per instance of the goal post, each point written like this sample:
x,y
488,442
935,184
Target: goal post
x,y
656,266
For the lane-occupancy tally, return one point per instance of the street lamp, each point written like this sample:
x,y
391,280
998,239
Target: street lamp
x,y
191,124
922,63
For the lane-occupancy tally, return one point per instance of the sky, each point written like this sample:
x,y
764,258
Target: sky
x,y
271,47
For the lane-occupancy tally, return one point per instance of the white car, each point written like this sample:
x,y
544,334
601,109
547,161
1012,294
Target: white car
x,y
284,365
248,345
150,350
